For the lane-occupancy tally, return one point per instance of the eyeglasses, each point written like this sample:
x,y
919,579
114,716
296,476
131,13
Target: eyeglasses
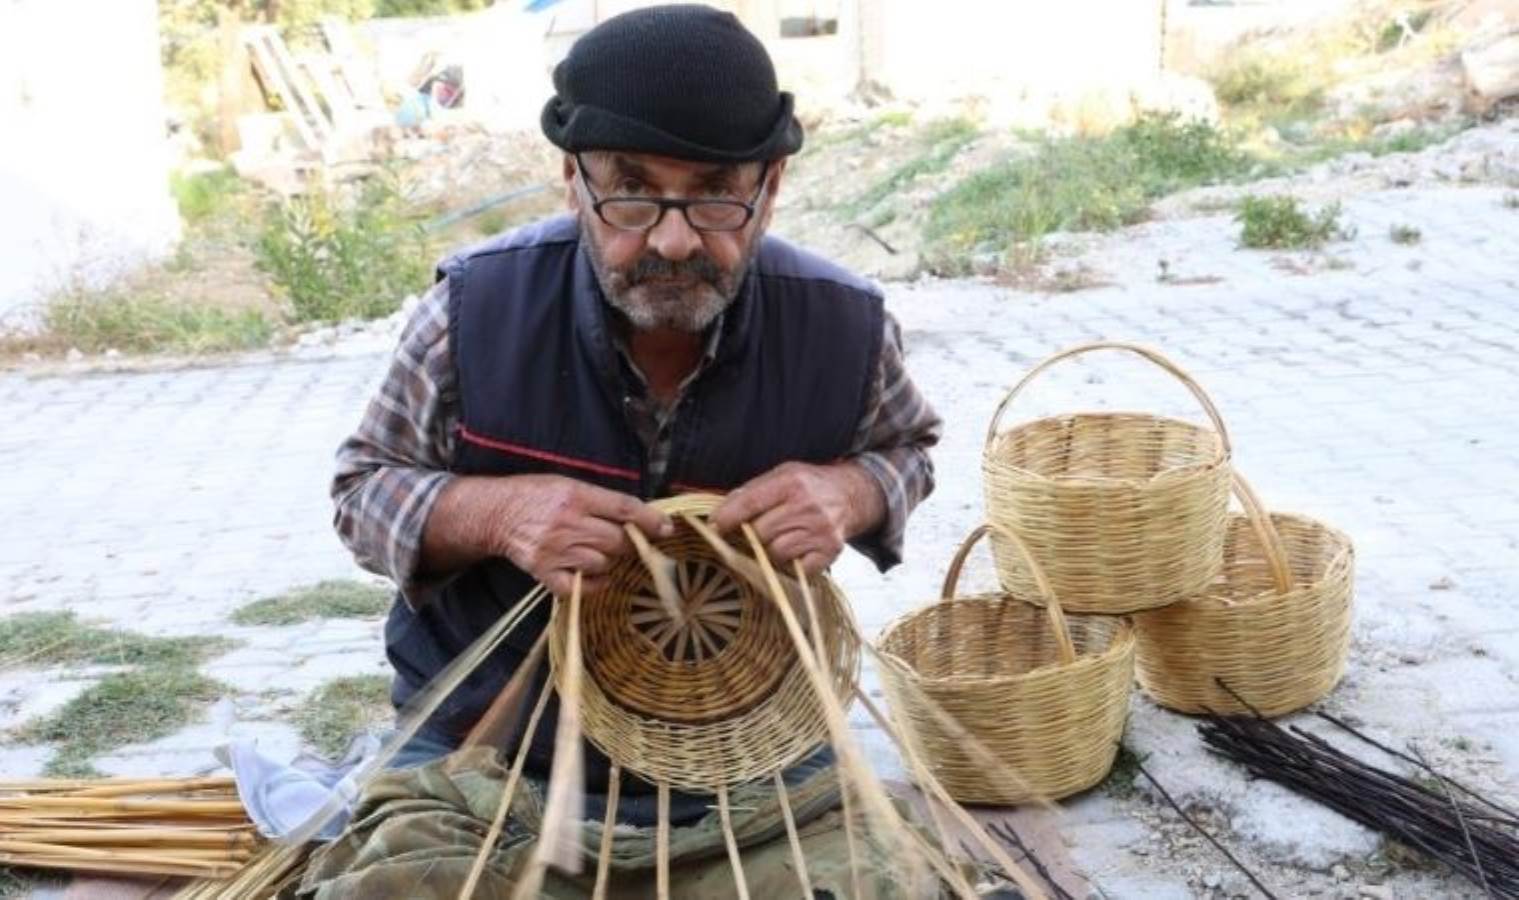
x,y
644,213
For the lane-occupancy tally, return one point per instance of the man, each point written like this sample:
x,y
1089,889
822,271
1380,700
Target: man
x,y
655,341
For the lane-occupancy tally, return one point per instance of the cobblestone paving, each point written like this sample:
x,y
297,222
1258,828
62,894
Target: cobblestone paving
x,y
1375,392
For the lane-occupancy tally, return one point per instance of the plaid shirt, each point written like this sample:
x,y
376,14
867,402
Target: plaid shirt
x,y
391,470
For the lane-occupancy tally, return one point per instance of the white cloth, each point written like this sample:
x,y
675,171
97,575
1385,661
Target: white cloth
x,y
280,798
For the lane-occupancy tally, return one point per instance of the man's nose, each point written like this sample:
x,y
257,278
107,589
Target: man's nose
x,y
673,238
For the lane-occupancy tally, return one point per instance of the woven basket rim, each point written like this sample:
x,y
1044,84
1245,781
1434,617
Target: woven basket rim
x,y
1123,642
1222,456
1211,601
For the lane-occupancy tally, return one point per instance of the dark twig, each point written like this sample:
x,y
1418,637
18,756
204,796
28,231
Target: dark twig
x,y
1509,815
1480,847
1265,892
1007,835
1466,834
870,233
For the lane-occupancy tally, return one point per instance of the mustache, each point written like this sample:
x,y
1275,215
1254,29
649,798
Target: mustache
x,y
696,268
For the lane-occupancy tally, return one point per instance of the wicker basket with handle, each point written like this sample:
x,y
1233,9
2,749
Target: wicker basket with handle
x,y
1046,695
1274,627
1124,511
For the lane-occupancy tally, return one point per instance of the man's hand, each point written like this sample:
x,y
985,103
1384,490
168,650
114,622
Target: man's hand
x,y
805,512
548,525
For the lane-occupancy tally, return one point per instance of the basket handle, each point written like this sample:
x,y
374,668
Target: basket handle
x,y
1145,352
1046,592
1271,541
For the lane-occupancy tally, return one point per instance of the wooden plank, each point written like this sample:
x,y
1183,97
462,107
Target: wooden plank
x,y
318,118
269,71
318,67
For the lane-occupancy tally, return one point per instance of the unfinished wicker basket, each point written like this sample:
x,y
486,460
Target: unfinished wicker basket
x,y
1124,511
715,697
1274,626
1044,695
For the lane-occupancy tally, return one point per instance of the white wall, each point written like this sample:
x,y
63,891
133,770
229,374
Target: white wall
x,y
956,47
84,183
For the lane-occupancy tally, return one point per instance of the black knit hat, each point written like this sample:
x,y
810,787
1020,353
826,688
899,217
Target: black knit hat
x,y
686,81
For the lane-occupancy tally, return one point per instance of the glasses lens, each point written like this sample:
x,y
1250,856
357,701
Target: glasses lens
x,y
716,216
631,214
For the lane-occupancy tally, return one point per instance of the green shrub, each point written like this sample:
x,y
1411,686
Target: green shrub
x,y
339,258
1281,223
941,142
205,195
131,322
1078,184
384,8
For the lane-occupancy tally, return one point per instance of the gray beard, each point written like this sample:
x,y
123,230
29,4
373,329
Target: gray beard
x,y
656,294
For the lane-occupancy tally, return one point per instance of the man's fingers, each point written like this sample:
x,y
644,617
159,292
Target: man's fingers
x,y
603,535
748,503
586,559
561,581
621,508
817,561
776,521
790,545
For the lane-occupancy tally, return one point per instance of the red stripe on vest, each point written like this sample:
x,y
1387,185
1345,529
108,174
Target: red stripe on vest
x,y
545,456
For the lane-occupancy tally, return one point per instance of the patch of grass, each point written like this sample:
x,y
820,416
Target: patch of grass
x,y
1079,184
1123,776
1511,201
341,599
1358,137
1259,85
206,195
339,257
941,142
1405,234
58,638
341,708
121,709
1280,223
122,319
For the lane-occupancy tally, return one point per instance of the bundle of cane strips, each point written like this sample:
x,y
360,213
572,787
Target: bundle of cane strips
x,y
125,826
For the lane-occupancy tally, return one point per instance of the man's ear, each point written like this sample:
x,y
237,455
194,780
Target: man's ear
x,y
773,188
571,196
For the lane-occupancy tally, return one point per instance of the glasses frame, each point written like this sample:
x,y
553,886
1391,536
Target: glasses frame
x,y
665,204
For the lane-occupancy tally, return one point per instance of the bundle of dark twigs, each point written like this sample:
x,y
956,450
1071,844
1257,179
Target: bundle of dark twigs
x,y
1436,815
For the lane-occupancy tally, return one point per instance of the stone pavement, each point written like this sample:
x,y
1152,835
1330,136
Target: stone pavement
x,y
1376,392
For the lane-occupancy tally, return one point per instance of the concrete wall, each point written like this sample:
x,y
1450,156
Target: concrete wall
x,y
1030,54
954,47
84,161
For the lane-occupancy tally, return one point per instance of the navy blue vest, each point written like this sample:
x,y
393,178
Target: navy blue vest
x,y
542,391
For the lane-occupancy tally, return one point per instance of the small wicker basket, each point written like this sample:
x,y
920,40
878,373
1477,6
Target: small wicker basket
x,y
1274,627
1124,511
717,697
1045,695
